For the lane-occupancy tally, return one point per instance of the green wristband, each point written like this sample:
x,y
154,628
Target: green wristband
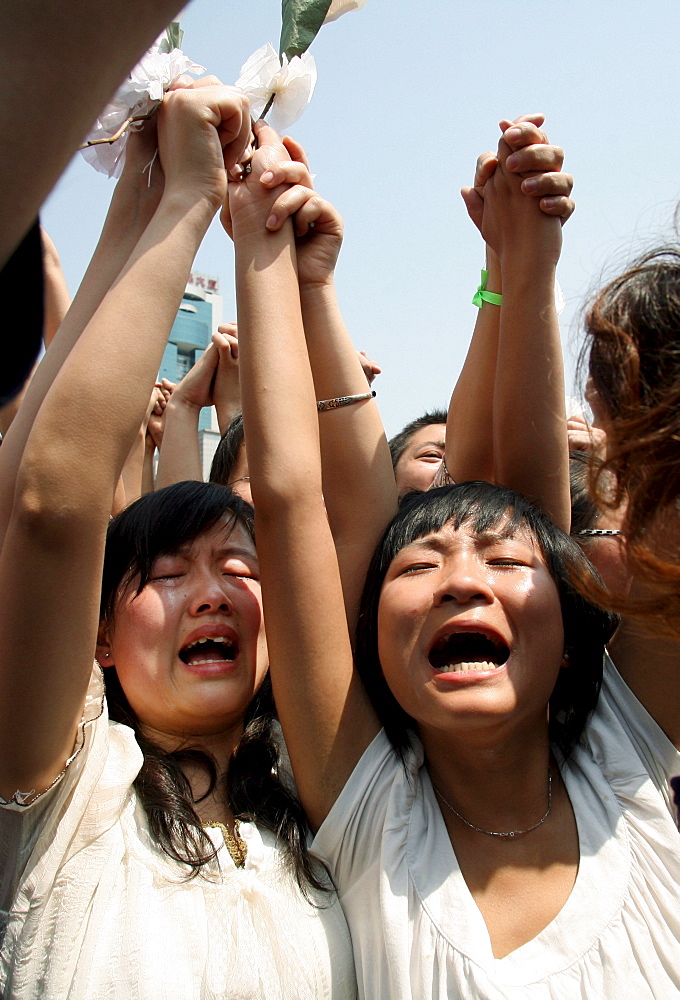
x,y
481,295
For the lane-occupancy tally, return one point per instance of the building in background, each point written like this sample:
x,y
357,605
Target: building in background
x,y
199,314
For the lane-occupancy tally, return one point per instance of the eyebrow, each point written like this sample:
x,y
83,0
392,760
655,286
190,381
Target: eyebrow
x,y
435,444
484,538
225,550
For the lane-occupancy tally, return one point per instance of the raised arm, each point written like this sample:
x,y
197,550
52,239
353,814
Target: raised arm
x,y
325,714
358,481
52,556
64,84
486,437
135,199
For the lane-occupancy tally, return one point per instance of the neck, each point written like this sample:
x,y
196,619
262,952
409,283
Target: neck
x,y
496,785
220,747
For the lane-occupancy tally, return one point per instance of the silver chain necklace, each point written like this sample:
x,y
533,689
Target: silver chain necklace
x,y
497,833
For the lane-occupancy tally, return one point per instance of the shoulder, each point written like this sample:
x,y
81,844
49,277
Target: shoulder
x,y
375,804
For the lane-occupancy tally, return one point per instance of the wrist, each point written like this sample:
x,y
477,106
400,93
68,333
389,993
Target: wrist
x,y
182,407
194,206
316,294
528,272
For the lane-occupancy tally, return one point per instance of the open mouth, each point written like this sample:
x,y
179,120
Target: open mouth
x,y
214,649
467,651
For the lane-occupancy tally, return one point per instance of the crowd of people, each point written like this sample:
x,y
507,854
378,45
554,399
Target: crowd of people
x,y
445,768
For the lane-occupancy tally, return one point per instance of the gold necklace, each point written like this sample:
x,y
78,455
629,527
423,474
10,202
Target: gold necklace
x,y
237,847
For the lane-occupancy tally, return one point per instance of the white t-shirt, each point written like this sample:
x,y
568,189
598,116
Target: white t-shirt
x,y
416,930
91,909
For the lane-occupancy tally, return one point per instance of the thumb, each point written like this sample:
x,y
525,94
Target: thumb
x,y
265,134
474,203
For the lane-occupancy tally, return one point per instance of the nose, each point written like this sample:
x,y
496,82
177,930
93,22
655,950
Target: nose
x,y
209,595
464,581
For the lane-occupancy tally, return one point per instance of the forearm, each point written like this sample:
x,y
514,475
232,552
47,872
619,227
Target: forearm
x,y
530,437
57,297
72,434
279,400
358,481
179,457
326,719
148,483
130,212
469,424
133,469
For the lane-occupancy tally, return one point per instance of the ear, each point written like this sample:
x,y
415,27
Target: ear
x,y
566,656
104,654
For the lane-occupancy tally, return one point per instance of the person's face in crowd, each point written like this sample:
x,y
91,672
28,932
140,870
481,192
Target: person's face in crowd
x,y
470,631
420,460
190,649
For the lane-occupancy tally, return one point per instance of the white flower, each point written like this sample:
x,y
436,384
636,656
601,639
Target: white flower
x,y
292,82
340,7
138,95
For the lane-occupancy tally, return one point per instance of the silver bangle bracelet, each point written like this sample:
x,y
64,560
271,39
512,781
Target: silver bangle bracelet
x,y
334,404
598,532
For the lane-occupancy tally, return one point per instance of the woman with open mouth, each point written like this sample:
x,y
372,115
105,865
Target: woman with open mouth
x,y
493,805
151,845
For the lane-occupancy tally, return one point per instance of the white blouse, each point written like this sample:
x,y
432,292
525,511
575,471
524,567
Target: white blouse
x,y
91,909
416,929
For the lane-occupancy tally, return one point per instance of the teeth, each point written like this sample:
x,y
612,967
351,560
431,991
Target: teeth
x,y
450,668
207,638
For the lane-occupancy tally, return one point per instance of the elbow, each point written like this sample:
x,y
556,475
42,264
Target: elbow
x,y
47,514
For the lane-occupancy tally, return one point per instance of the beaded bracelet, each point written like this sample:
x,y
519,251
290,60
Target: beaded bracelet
x,y
334,404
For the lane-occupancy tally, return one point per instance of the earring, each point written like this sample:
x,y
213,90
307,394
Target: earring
x,y
565,656
104,656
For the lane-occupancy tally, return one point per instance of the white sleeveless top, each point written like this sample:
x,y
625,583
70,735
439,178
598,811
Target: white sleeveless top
x,y
91,909
416,929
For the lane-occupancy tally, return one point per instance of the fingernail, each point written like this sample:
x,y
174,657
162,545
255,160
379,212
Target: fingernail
x,y
530,184
271,221
513,134
267,177
511,162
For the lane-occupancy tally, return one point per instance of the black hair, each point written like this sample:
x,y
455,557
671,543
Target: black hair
x,y
159,524
400,442
227,452
584,512
485,507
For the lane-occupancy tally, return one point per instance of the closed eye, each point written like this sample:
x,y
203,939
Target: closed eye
x,y
240,570
416,568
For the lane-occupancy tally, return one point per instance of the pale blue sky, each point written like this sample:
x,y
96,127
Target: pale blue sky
x,y
408,94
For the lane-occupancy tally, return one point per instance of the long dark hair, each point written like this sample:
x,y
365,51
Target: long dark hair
x,y
633,340
159,524
485,508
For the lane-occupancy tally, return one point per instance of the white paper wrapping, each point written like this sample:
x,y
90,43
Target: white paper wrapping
x,y
138,95
292,82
